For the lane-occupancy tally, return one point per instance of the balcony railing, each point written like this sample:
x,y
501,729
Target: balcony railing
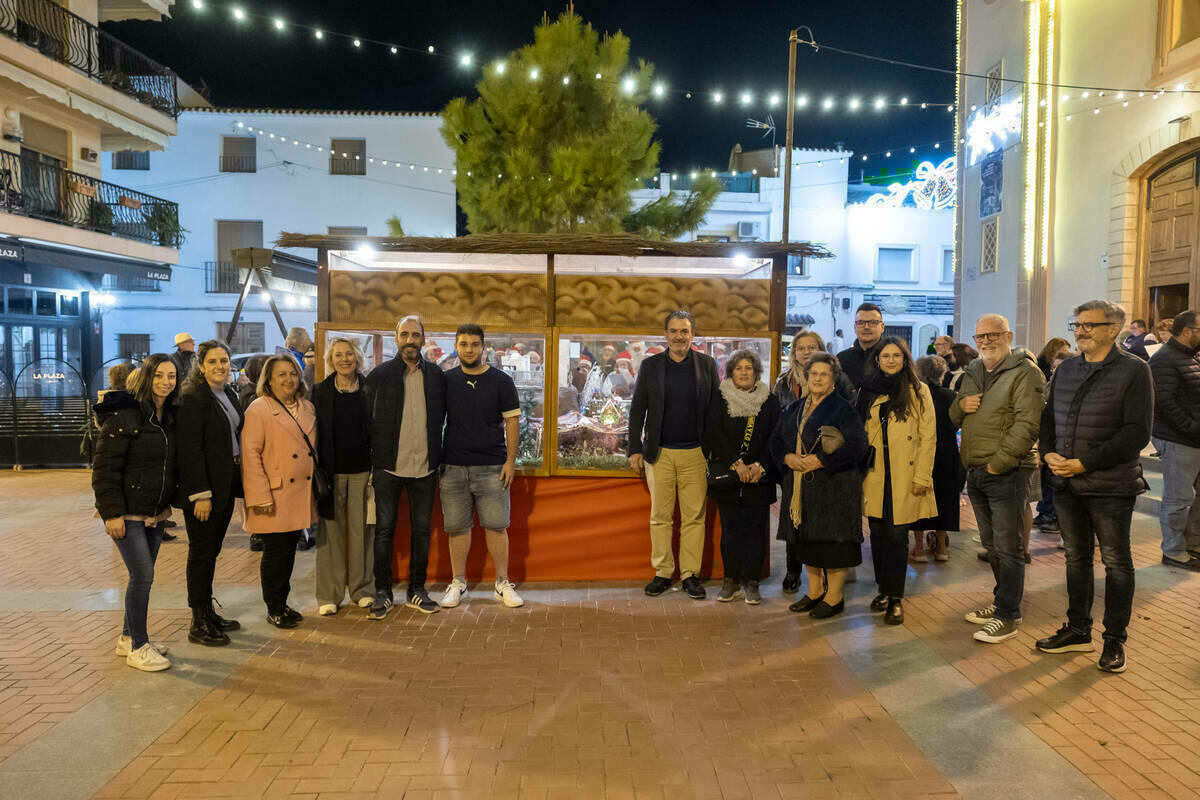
x,y
238,164
347,166
221,277
742,184
35,189
129,283
58,34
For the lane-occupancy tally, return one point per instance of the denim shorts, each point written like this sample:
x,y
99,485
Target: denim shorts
x,y
470,490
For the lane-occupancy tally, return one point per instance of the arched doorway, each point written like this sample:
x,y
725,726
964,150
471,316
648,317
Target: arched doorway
x,y
1171,277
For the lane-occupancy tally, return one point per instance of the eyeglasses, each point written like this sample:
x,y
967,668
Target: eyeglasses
x,y
1087,327
868,323
995,336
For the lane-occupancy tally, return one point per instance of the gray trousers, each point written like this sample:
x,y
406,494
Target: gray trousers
x,y
345,556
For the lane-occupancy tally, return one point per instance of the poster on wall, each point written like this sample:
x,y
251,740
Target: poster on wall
x,y
991,184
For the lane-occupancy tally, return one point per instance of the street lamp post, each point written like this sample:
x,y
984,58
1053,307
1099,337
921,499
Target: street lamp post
x,y
793,40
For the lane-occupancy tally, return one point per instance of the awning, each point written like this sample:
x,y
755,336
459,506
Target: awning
x,y
283,266
15,251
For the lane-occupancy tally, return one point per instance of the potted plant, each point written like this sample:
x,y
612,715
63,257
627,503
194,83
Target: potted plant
x,y
163,221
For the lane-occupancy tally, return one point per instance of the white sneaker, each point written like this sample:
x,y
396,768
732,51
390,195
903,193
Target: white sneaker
x,y
507,593
125,644
147,659
364,602
455,592
327,610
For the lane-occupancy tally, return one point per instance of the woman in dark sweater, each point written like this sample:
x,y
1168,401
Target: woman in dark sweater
x,y
818,448
739,426
209,421
949,475
133,478
345,554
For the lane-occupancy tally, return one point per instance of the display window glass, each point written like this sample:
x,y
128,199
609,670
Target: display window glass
x,y
596,378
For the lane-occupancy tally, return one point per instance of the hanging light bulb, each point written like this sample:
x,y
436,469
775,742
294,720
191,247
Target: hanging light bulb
x,y
802,100
357,43
629,84
747,98
279,24
773,101
238,14
864,158
395,51
319,33
888,154
924,106
659,90
718,97
533,74
912,149
599,76
198,5
431,49
465,59
854,104
903,101
880,103
827,103
566,80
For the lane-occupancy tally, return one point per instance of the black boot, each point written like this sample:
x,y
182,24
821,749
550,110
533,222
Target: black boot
x,y
202,630
219,622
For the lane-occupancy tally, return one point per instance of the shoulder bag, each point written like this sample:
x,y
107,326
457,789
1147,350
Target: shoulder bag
x,y
720,477
322,483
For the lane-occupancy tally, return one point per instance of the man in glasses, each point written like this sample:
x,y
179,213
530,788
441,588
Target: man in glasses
x,y
857,360
1096,422
1176,370
999,407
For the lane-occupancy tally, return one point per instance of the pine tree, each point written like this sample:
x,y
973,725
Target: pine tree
x,y
549,147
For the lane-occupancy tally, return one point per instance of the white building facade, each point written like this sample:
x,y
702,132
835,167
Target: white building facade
x,y
1071,193
241,177
892,246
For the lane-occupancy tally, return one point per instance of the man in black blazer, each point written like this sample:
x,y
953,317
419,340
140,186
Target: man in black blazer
x,y
666,425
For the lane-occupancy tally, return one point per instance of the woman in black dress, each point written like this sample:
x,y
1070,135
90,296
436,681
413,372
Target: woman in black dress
x,y
818,448
949,476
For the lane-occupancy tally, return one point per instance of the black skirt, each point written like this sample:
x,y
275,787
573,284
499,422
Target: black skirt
x,y
830,555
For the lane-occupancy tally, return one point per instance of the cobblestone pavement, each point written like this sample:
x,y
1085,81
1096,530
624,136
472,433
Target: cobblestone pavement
x,y
590,690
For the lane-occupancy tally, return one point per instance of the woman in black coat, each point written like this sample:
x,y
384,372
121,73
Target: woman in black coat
x,y
818,447
949,475
209,422
739,427
133,478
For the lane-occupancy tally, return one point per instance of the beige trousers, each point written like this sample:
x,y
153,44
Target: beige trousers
x,y
345,548
681,474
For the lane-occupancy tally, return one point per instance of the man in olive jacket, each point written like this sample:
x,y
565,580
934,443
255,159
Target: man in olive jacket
x,y
999,409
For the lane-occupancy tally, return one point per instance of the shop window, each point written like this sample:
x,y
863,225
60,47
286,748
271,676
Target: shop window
x,y
348,157
68,305
47,304
134,346
131,159
894,264
596,377
250,337
20,301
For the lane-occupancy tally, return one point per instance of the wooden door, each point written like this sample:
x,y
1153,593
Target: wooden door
x,y
1171,220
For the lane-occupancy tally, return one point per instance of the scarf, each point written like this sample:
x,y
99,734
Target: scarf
x,y
794,507
742,403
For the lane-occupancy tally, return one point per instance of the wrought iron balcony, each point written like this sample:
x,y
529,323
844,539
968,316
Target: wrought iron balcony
x,y
221,277
36,189
69,39
347,166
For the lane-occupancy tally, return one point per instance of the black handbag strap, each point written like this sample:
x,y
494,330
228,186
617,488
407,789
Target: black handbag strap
x,y
312,453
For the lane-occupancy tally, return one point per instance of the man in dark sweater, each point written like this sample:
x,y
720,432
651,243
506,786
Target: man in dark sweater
x,y
666,425
857,360
1176,370
1095,424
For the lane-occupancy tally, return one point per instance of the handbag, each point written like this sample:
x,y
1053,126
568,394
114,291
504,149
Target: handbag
x,y
322,484
721,478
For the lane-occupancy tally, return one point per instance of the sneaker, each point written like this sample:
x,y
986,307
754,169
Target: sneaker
x,y
282,621
753,598
1113,657
729,588
657,586
328,610
694,588
365,602
1042,520
380,606
982,616
125,646
507,593
418,600
454,594
1066,641
996,630
147,659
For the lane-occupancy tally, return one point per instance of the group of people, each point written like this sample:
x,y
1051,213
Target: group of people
x,y
868,433
188,442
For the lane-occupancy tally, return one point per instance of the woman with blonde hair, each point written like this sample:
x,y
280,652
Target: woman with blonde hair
x,y
278,472
345,554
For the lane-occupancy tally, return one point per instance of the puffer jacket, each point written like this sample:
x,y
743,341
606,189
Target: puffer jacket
x,y
134,472
1003,433
1176,372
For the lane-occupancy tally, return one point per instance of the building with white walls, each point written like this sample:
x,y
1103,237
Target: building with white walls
x,y
891,247
241,177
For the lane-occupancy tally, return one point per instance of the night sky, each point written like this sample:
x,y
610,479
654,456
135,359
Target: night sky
x,y
698,46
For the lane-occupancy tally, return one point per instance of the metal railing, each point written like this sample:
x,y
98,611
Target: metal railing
x,y
36,189
238,164
221,277
741,184
347,166
129,283
69,39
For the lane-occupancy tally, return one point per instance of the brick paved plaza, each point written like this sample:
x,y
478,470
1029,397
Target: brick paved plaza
x,y
590,690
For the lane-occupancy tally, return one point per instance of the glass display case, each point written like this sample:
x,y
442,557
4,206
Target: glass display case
x,y
521,355
596,376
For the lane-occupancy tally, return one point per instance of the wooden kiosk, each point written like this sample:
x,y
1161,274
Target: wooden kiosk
x,y
561,313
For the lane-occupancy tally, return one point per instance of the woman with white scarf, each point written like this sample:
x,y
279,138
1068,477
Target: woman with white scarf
x,y
819,448
740,478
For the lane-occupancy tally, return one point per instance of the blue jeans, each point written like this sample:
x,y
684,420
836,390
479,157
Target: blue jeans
x,y
1084,521
999,502
420,511
139,551
1180,466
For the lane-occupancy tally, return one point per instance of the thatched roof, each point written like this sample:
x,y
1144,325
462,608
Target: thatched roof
x,y
621,244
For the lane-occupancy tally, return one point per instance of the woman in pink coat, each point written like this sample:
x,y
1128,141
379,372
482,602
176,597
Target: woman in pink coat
x,y
277,474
